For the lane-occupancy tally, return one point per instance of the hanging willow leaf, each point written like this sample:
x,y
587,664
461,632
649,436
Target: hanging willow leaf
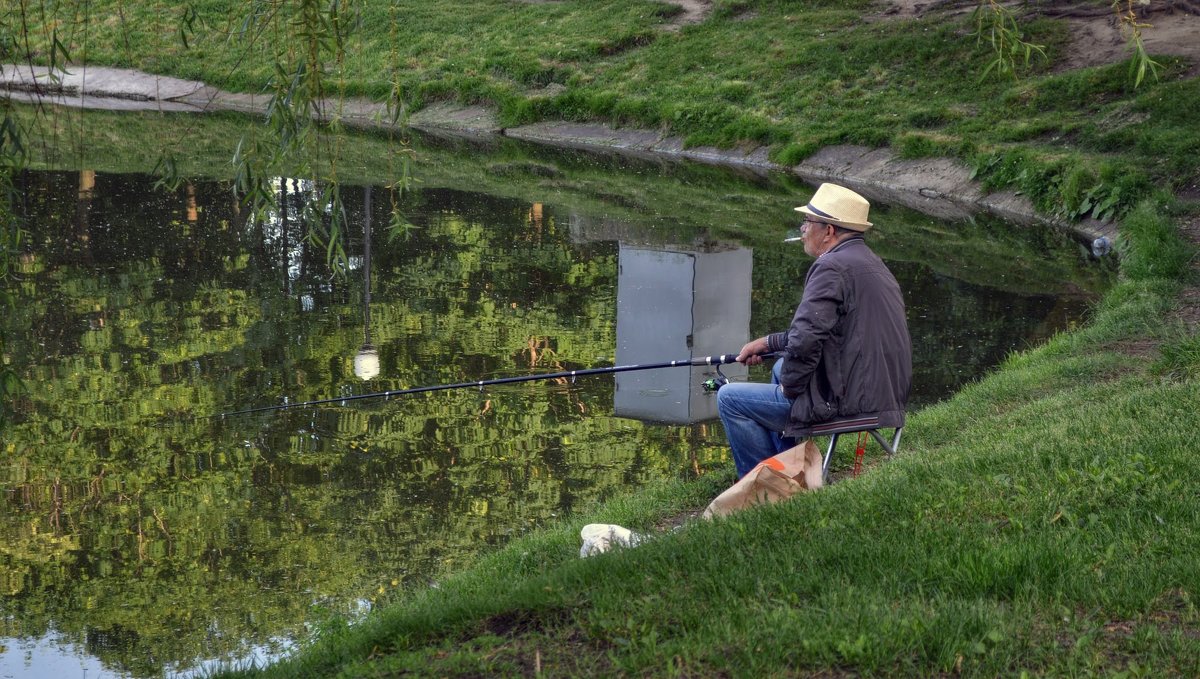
x,y
168,172
1141,63
1008,43
59,57
187,25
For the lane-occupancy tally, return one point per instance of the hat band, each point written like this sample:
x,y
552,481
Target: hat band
x,y
820,212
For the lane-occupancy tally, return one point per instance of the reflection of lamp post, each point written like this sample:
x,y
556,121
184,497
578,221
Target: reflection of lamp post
x,y
83,207
366,361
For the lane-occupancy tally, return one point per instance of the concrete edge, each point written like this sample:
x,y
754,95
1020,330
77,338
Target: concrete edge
x,y
939,187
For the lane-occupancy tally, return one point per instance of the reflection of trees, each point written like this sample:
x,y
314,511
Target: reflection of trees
x,y
148,535
156,539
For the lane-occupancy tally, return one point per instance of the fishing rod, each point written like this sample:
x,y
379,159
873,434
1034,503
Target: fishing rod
x,y
709,385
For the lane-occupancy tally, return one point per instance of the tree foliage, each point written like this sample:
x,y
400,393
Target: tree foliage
x,y
12,158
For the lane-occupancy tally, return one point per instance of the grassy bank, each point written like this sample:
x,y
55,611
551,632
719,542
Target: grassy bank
x,y
1041,521
796,76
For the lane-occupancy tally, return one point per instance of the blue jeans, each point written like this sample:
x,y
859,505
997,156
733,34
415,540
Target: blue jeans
x,y
754,414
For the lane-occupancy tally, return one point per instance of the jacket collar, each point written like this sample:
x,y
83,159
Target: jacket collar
x,y
856,237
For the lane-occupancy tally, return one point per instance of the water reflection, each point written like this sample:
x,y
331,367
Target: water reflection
x,y
678,302
142,533
366,361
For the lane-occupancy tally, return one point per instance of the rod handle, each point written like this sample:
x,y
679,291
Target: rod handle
x,y
723,359
720,359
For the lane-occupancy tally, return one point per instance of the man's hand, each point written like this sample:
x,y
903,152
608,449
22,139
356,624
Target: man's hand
x,y
751,354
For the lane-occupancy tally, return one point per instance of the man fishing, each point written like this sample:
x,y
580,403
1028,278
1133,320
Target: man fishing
x,y
847,357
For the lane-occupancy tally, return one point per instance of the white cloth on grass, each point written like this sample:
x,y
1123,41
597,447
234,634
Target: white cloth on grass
x,y
601,537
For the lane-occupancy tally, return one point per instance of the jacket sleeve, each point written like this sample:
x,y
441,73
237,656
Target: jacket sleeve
x,y
812,325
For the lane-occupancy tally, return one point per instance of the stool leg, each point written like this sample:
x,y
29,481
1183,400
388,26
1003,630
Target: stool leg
x,y
828,456
889,449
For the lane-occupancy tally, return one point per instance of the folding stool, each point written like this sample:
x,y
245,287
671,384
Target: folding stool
x,y
853,426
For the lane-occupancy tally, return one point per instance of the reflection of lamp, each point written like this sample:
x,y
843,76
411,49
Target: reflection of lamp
x,y
366,361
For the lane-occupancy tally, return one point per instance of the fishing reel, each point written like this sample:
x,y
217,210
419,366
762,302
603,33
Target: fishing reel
x,y
713,384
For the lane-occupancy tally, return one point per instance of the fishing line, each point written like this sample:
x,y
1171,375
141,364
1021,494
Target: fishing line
x,y
481,384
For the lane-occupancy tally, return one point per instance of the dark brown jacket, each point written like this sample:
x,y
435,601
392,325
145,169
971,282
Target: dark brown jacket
x,y
847,358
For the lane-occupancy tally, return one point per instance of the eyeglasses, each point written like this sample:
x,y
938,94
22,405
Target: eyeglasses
x,y
809,223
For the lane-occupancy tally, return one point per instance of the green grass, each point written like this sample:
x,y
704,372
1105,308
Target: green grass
x,y
795,76
983,552
1180,357
1042,521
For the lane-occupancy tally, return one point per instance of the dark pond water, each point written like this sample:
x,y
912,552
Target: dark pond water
x,y
140,535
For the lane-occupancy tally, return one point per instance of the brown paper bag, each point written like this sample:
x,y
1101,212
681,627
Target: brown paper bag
x,y
775,478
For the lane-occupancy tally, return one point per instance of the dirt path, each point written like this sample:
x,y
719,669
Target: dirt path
x,y
1099,40
694,12
1170,27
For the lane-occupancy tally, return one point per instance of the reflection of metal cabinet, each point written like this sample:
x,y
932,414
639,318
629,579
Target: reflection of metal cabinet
x,y
675,304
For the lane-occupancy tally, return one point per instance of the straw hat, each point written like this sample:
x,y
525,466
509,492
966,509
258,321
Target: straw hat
x,y
839,206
